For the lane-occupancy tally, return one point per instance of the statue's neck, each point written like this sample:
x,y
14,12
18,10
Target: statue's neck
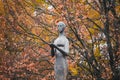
x,y
61,34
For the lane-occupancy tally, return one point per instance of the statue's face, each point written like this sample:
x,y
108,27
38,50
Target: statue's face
x,y
61,27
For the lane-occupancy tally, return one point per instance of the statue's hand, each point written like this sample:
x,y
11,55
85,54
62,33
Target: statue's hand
x,y
51,45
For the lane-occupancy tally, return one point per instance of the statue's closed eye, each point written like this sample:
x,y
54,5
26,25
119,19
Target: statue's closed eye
x,y
59,25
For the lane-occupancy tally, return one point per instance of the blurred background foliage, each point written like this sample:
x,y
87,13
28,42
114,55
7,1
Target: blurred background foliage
x,y
93,29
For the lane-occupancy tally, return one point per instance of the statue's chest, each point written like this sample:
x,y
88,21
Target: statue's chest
x,y
60,40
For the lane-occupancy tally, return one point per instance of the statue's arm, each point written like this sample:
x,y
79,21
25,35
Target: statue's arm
x,y
62,51
65,51
52,50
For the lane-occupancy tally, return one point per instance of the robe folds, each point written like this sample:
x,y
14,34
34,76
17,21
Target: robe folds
x,y
61,66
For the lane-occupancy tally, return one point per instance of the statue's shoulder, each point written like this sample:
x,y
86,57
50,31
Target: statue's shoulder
x,y
55,40
66,39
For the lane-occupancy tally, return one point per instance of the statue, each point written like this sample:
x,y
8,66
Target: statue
x,y
60,49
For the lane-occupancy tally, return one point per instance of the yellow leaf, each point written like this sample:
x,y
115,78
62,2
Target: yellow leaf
x,y
73,70
118,9
40,1
97,52
93,14
92,30
1,8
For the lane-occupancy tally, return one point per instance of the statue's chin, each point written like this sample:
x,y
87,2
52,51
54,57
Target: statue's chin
x,y
60,31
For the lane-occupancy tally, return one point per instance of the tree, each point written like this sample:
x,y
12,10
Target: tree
x,y
92,29
23,55
98,26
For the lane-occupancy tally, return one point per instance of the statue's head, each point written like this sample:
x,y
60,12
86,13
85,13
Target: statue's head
x,y
61,26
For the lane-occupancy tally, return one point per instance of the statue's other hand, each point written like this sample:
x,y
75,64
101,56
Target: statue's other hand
x,y
52,49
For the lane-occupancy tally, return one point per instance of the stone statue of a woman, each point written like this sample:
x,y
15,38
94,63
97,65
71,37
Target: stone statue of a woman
x,y
60,53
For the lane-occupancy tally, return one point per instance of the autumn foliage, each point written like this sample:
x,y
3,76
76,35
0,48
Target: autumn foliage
x,y
93,29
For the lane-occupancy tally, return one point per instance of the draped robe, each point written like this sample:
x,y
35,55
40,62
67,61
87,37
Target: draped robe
x,y
61,65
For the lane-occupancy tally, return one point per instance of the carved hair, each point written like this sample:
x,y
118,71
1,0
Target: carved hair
x,y
62,24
